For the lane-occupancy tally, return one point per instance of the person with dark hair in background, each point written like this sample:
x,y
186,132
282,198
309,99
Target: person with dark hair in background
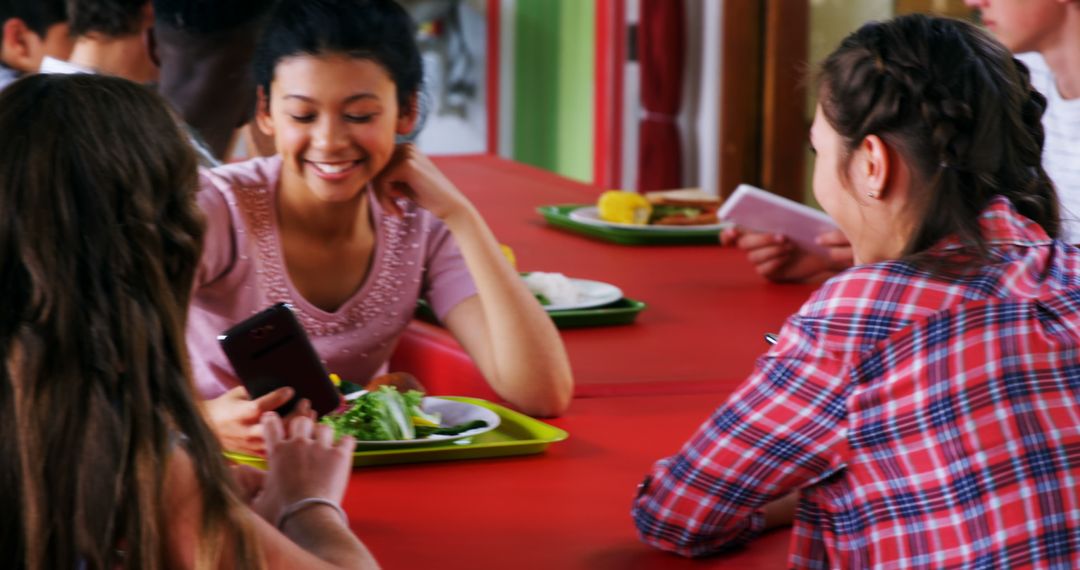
x,y
106,460
351,228
922,409
29,31
205,48
117,37
112,37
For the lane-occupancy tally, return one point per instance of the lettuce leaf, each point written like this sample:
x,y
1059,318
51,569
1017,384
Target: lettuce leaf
x,y
381,415
664,211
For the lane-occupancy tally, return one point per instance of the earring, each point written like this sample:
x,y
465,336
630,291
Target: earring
x,y
871,194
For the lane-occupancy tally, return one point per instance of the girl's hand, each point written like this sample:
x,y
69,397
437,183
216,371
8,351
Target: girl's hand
x,y
841,256
304,461
777,259
249,482
410,174
235,417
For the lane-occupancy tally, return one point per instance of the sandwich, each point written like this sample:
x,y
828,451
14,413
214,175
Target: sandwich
x,y
684,207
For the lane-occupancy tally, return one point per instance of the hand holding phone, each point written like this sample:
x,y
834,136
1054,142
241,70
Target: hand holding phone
x,y
760,211
236,418
270,350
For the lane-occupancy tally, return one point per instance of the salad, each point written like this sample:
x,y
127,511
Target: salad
x,y
385,414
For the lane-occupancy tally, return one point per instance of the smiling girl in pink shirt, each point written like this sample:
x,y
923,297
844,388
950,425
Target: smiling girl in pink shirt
x,y
351,228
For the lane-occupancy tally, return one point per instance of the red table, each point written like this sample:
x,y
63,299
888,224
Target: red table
x,y
641,391
707,309
568,508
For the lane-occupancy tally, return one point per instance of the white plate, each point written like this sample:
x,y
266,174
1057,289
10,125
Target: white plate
x,y
453,413
591,294
590,216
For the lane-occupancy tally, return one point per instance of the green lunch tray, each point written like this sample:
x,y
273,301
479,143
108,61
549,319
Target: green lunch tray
x,y
517,434
621,312
559,216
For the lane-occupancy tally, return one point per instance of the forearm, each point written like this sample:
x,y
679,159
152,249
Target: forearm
x,y
669,513
728,532
729,482
523,356
319,530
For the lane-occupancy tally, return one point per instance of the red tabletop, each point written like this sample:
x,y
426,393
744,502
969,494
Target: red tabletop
x,y
641,391
707,309
566,508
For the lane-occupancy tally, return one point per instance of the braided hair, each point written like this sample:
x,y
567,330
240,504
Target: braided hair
x,y
960,109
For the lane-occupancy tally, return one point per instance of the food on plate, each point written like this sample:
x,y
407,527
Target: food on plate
x,y
509,254
552,288
385,414
622,207
344,386
685,207
403,381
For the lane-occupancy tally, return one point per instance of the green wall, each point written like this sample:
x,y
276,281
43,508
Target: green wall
x,y
554,60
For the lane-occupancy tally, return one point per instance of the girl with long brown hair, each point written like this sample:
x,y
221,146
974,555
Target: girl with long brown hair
x,y
105,459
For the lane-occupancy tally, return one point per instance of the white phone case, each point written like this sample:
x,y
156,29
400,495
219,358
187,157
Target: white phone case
x,y
755,209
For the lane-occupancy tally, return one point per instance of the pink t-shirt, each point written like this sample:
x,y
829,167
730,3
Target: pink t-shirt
x,y
242,271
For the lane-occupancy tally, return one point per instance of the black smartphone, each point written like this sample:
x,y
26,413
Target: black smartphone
x,y
269,350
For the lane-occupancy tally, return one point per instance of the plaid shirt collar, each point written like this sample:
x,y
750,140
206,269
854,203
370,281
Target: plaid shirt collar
x,y
1002,225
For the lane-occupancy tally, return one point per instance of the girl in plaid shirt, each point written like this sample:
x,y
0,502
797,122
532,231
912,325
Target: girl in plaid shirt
x,y
922,409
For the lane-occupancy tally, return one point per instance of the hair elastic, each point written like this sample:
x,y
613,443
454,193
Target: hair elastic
x,y
302,504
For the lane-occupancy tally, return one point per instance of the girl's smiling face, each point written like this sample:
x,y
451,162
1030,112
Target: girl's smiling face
x,y
334,119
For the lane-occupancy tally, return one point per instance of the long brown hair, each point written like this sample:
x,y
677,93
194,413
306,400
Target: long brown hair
x,y
99,240
962,111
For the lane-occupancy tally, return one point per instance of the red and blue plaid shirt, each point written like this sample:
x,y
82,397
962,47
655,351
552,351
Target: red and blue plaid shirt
x,y
927,421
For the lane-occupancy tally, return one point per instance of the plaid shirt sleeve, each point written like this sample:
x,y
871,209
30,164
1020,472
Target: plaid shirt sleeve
x,y
784,428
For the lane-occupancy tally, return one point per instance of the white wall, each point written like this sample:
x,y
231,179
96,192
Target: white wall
x,y
708,118
830,22
507,16
693,77
631,108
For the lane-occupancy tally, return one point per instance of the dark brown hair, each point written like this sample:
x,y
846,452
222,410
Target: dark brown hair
x,y
961,111
99,240
38,15
378,30
110,18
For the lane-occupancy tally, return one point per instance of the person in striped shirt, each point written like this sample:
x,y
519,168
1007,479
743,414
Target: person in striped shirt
x,y
922,409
